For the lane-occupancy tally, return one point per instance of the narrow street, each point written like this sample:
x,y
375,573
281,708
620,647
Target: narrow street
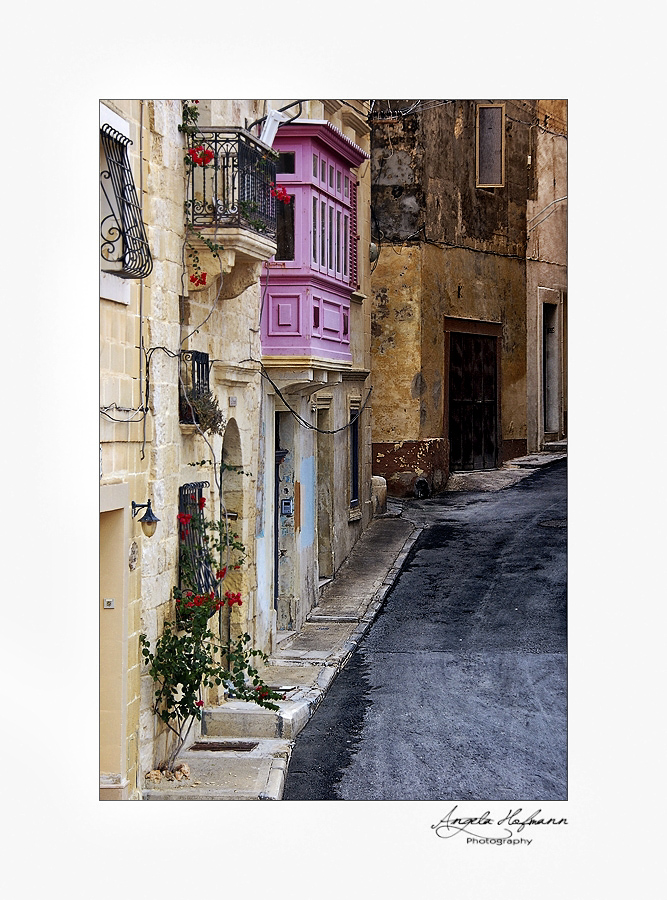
x,y
459,689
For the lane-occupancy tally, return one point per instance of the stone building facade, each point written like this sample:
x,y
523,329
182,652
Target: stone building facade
x,y
178,312
546,277
455,350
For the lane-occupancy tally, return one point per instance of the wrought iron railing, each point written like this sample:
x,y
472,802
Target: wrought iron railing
x,y
124,244
194,546
234,186
195,379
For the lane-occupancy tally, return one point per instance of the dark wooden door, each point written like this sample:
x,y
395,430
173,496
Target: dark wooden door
x,y
473,401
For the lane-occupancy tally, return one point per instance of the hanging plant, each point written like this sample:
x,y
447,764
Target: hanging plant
x,y
208,414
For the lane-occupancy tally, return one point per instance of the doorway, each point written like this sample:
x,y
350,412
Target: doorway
x,y
550,370
473,395
324,494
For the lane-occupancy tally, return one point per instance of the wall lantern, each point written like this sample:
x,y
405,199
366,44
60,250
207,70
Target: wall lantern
x,y
374,252
149,520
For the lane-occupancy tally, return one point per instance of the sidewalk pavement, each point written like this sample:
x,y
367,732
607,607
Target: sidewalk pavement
x,y
242,751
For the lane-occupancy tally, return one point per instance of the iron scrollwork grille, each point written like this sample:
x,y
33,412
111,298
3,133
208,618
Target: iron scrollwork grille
x,y
234,188
193,545
196,369
124,239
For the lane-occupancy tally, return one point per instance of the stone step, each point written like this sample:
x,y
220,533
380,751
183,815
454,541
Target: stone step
x,y
241,720
556,446
227,775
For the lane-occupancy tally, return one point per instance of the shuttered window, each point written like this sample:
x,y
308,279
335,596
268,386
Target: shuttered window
x,y
354,280
490,145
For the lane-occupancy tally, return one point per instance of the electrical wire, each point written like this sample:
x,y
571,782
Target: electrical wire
x,y
104,411
559,200
303,422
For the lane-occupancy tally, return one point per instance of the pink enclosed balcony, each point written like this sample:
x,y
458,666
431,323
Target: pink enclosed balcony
x,y
307,286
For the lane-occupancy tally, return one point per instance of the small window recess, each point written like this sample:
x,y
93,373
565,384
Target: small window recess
x,y
285,230
490,145
286,163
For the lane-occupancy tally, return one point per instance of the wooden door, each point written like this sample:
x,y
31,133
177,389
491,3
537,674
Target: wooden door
x,y
473,401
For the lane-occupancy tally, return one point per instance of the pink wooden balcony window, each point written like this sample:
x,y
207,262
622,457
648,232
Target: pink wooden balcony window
x,y
309,283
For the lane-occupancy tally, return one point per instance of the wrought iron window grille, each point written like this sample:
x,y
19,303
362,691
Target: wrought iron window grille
x,y
124,243
234,189
193,539
195,380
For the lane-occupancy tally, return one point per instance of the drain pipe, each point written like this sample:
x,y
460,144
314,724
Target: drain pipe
x,y
141,283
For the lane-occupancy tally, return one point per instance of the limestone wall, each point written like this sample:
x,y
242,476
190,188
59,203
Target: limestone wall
x,y
151,455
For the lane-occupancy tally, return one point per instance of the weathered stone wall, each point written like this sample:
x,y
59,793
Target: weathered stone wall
x,y
396,327
492,289
546,273
447,248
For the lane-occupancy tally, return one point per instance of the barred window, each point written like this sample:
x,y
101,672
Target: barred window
x,y
195,368
194,568
124,244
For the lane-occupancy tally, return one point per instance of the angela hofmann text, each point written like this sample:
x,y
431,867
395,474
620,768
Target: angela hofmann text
x,y
507,830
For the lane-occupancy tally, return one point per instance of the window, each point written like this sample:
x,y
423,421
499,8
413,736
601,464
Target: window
x,y
346,243
338,241
194,569
330,264
285,230
490,145
195,369
124,243
285,164
323,236
315,230
353,236
354,456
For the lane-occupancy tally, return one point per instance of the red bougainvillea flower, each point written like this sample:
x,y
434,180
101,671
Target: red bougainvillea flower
x,y
184,518
233,598
199,281
202,502
220,574
199,703
280,194
200,156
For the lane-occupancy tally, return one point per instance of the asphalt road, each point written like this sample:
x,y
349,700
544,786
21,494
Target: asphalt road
x,y
458,690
